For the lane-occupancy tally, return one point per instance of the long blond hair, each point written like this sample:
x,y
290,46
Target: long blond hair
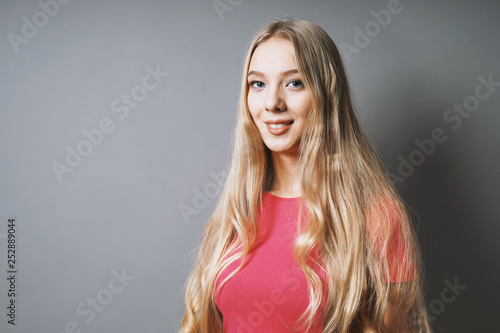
x,y
354,212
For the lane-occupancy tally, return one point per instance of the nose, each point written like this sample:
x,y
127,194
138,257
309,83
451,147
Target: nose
x,y
274,101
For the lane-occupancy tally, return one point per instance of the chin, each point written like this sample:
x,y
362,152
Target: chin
x,y
282,149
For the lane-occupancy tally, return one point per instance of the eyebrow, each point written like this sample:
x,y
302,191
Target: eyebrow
x,y
285,73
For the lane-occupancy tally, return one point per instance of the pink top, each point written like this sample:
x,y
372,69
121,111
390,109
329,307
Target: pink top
x,y
270,292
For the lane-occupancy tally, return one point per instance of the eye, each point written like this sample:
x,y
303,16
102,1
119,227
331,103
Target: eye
x,y
295,84
256,84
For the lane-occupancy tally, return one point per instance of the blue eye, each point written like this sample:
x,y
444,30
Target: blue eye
x,y
256,84
295,84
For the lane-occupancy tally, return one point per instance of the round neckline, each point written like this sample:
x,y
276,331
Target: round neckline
x,y
282,198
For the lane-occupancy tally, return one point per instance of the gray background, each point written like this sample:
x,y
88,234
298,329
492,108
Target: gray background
x,y
121,207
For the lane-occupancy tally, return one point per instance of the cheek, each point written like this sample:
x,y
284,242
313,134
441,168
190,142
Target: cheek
x,y
304,106
253,106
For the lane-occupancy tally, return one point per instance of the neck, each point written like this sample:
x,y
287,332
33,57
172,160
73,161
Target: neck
x,y
286,182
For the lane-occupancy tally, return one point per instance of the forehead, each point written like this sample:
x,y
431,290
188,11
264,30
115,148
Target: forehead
x,y
273,56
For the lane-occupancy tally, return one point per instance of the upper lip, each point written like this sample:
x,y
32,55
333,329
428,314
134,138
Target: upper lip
x,y
278,121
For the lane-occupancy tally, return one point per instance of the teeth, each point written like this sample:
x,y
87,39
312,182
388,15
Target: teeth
x,y
276,126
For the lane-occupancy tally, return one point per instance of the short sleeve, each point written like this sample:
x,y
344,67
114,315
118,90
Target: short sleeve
x,y
400,265
387,236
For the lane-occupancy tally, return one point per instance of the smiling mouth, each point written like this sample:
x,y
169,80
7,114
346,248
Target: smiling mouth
x,y
277,126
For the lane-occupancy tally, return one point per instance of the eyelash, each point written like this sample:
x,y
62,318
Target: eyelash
x,y
296,81
251,84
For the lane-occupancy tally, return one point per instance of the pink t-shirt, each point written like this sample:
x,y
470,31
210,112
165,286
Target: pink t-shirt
x,y
270,292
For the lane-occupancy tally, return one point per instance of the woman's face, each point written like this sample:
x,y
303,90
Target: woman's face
x,y
277,98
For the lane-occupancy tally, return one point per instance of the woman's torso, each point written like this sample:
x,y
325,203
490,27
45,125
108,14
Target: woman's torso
x,y
270,293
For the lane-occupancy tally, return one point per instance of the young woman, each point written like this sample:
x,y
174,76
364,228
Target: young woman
x,y
309,234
